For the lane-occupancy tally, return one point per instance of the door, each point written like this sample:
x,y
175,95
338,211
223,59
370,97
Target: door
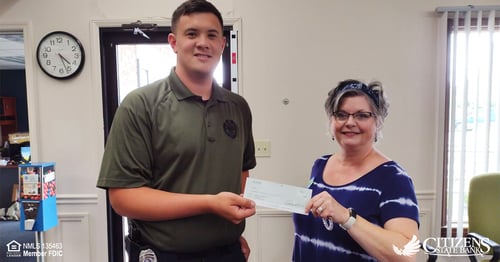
x,y
130,60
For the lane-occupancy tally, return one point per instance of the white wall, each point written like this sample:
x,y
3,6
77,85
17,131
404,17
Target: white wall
x,y
289,49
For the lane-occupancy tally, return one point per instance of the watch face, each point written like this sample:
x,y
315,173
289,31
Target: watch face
x,y
60,55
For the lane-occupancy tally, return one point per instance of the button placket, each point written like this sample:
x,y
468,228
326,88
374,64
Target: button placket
x,y
209,125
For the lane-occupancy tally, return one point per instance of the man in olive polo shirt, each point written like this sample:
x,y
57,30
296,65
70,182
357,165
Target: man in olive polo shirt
x,y
179,151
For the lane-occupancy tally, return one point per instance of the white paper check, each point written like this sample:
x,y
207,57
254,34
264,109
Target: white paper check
x,y
279,196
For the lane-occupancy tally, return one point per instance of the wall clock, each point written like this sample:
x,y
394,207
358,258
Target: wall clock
x,y
60,55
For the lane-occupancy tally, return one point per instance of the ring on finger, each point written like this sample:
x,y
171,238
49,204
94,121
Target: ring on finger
x,y
319,209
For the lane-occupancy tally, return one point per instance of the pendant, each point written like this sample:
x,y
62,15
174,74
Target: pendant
x,y
328,223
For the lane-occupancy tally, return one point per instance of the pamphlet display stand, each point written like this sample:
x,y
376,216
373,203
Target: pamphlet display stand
x,y
37,194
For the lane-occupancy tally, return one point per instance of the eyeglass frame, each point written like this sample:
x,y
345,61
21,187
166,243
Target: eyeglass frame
x,y
357,116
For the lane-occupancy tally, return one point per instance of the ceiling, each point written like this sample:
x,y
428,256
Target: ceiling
x,y
11,51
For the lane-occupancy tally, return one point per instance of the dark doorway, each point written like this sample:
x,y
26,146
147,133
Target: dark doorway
x,y
112,40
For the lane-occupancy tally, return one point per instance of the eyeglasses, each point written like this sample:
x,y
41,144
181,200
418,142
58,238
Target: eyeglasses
x,y
358,116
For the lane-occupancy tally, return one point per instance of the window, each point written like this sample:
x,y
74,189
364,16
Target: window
x,y
142,64
473,107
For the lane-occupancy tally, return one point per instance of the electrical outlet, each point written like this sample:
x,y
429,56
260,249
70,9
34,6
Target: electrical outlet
x,y
262,148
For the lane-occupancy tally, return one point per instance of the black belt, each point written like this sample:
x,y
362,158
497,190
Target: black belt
x,y
145,253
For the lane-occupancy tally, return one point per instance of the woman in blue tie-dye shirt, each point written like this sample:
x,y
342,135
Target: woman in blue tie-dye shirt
x,y
364,206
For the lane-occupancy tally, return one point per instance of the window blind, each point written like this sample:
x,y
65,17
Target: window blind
x,y
473,99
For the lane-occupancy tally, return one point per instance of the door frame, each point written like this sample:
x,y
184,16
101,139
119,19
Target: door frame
x,y
114,221
31,91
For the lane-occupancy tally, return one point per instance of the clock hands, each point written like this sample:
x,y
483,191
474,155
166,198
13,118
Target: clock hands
x,y
63,59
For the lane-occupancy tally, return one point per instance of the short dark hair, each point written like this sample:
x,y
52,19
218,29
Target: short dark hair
x,y
195,6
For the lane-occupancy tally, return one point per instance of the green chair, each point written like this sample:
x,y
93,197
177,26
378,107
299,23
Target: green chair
x,y
484,212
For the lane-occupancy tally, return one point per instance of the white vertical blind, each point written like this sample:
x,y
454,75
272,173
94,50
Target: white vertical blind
x,y
473,83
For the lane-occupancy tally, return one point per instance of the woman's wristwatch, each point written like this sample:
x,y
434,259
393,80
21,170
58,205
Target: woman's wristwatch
x,y
350,221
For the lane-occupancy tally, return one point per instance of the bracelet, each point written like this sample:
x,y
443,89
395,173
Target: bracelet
x,y
328,223
350,221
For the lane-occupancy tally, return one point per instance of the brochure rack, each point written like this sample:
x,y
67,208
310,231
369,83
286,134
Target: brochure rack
x,y
37,194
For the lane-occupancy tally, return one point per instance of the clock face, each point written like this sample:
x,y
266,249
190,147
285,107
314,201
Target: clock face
x,y
60,55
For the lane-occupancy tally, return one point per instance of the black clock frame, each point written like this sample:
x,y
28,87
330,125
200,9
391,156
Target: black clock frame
x,y
74,73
